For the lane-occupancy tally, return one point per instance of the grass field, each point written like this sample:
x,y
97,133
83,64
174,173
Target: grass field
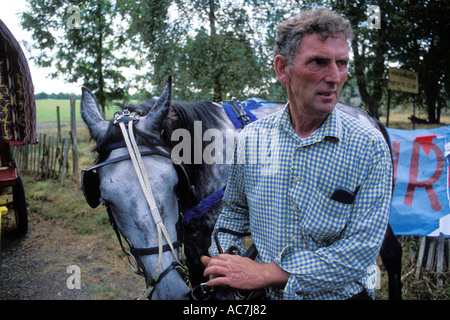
x,y
398,119
46,110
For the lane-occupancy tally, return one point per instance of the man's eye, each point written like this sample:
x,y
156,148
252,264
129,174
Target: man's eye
x,y
320,62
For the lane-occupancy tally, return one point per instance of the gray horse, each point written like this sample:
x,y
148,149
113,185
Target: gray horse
x,y
158,127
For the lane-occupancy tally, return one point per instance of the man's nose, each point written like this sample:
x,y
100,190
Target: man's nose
x,y
333,74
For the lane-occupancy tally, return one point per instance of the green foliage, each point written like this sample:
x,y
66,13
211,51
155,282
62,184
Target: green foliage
x,y
89,52
413,34
224,64
209,47
216,49
419,42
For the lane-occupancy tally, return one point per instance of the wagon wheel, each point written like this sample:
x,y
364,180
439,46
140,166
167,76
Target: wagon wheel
x,y
20,207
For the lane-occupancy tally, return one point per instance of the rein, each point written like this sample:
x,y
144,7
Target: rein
x,y
135,156
141,173
90,186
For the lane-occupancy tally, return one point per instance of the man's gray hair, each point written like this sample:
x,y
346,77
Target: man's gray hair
x,y
321,21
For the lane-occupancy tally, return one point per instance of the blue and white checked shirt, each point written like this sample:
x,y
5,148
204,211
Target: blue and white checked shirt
x,y
279,189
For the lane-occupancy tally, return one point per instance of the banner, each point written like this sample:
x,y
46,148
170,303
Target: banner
x,y
420,202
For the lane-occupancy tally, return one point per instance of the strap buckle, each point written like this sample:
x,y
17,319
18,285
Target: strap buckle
x,y
125,116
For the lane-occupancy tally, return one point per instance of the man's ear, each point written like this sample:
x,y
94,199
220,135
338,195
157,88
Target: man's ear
x,y
282,69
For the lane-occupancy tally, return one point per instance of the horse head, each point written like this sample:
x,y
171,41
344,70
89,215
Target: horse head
x,y
117,187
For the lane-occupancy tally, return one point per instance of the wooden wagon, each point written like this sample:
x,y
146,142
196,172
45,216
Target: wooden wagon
x,y
17,124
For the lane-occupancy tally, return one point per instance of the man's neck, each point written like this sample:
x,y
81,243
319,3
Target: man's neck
x,y
305,124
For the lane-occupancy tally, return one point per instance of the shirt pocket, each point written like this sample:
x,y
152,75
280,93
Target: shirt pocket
x,y
323,219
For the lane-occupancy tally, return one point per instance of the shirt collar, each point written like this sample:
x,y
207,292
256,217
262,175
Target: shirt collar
x,y
331,128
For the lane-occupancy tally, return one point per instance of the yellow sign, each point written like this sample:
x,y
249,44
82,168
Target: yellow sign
x,y
403,80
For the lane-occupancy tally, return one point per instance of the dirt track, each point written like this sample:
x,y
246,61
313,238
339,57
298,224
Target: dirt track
x,y
34,267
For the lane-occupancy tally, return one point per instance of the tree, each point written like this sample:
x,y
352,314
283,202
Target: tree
x,y
421,45
370,48
414,35
156,40
82,41
208,46
217,49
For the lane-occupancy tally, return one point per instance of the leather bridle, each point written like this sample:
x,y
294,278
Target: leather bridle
x,y
90,185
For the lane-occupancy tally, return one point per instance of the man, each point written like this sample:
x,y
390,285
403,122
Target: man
x,y
317,204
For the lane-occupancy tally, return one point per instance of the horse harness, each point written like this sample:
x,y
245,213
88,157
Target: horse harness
x,y
90,184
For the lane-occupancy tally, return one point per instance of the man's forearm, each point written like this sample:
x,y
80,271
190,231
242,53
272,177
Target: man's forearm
x,y
276,276
243,273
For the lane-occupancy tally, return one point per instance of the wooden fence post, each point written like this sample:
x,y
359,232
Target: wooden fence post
x,y
65,151
51,151
73,133
48,159
431,255
440,262
42,156
420,257
58,120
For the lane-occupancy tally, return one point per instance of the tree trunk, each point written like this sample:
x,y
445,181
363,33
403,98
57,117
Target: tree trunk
x,y
371,100
101,97
361,79
217,87
430,81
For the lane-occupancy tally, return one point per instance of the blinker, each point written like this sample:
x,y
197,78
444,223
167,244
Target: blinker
x,y
90,183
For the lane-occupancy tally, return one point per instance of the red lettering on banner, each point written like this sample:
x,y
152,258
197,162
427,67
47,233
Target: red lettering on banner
x,y
395,157
426,144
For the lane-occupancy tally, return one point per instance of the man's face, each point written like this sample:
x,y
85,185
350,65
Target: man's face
x,y
315,80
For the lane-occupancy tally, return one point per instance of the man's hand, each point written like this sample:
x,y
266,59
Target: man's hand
x,y
243,273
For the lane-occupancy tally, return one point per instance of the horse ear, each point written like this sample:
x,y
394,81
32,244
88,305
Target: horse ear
x,y
152,121
90,112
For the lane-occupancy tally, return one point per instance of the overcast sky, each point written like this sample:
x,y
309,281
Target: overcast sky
x,y
10,9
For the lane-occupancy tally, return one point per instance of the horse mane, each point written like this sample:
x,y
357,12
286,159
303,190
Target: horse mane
x,y
183,116
180,116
